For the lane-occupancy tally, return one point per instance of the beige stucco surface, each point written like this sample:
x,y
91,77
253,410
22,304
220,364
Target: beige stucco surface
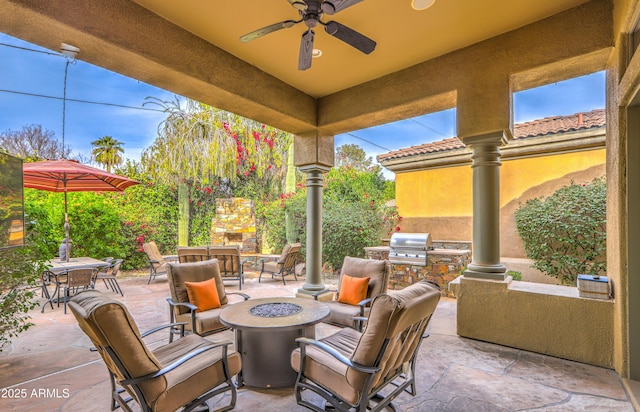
x,y
547,319
438,200
122,36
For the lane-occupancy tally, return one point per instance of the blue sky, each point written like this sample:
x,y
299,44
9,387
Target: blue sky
x,y
23,71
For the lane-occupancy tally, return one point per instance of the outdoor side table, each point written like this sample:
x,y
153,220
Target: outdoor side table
x,y
266,334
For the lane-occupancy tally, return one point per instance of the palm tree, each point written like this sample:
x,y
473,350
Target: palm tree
x,y
107,152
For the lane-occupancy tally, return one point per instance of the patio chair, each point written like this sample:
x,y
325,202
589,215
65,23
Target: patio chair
x,y
77,279
157,265
192,254
350,369
181,309
230,262
184,373
285,265
109,276
350,304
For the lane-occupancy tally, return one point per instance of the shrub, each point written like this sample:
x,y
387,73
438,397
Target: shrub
x,y
565,234
515,275
347,228
19,275
353,214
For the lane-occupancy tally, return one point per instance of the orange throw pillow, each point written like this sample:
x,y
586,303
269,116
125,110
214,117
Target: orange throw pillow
x,y
203,294
353,290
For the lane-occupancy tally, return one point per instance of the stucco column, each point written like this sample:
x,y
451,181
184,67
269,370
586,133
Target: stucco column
x,y
485,262
314,227
313,154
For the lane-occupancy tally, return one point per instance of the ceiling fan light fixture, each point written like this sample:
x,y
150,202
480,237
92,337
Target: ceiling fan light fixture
x,y
421,4
316,53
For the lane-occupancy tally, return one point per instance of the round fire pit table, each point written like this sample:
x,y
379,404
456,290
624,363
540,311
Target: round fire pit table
x,y
266,332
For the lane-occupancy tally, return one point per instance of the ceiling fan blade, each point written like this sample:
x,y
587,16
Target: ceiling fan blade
x,y
268,29
350,36
334,6
306,50
298,5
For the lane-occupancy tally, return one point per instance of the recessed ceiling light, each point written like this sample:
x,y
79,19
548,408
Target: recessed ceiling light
x,y
316,53
421,4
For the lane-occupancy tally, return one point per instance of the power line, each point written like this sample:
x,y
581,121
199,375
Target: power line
x,y
31,50
428,127
44,96
365,140
65,98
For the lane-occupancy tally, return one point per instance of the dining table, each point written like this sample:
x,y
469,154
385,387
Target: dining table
x,y
59,266
56,273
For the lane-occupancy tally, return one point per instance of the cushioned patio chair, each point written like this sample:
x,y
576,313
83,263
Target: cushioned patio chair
x,y
350,369
184,373
183,308
192,254
230,262
360,281
157,264
285,265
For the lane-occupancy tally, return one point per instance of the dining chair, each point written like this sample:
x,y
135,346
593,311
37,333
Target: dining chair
x,y
77,279
230,262
188,254
109,276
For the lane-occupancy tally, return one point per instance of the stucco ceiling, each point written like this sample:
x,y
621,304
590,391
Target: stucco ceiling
x,y
404,36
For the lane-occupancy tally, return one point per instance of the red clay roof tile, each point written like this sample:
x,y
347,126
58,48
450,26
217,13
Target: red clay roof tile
x,y
534,128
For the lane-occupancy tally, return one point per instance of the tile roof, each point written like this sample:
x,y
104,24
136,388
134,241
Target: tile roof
x,y
534,128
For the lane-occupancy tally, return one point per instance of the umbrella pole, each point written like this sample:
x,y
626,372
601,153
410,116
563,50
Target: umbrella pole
x,y
66,224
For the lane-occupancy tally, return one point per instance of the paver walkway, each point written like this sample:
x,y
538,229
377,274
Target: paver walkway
x,y
50,368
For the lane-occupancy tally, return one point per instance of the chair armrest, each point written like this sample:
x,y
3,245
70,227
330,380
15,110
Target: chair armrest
x,y
243,261
172,366
161,327
245,297
364,303
340,357
358,322
316,294
185,304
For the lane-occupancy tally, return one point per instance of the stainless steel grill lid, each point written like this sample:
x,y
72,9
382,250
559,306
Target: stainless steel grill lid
x,y
409,248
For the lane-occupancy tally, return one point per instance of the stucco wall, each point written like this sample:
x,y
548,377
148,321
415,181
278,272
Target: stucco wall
x,y
445,205
548,319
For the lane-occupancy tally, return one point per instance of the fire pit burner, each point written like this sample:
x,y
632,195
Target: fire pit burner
x,y
275,310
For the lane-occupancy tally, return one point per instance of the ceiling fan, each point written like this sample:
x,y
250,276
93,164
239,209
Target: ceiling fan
x,y
311,12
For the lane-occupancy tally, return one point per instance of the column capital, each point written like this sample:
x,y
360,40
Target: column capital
x,y
313,149
497,138
314,167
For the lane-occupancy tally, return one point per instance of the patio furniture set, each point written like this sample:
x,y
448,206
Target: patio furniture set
x,y
75,274
274,338
229,258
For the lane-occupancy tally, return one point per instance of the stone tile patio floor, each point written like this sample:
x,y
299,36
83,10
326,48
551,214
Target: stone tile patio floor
x,y
50,367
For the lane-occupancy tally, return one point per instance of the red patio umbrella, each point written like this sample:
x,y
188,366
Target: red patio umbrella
x,y
71,176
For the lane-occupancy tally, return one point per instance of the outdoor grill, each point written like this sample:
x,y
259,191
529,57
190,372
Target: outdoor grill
x,y
409,248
